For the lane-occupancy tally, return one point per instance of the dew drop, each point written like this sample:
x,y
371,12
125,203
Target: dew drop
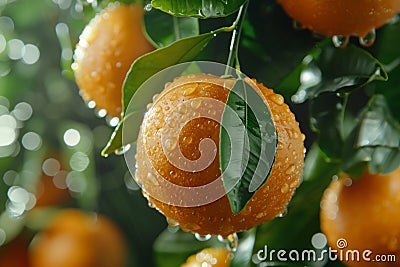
x,y
188,139
232,242
368,39
172,222
155,97
122,150
189,90
152,179
290,170
285,188
278,99
148,7
284,213
195,103
340,41
170,144
151,204
202,237
297,25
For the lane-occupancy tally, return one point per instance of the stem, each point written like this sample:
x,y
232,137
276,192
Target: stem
x,y
237,26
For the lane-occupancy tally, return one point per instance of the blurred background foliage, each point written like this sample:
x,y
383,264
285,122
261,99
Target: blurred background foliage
x,y
48,132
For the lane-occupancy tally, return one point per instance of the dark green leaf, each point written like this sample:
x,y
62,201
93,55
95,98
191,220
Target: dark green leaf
x,y
337,70
295,230
143,68
389,55
198,8
244,252
247,129
374,141
326,113
271,57
164,29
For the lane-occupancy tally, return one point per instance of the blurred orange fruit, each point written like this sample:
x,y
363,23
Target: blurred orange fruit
x,y
167,114
107,47
15,253
51,189
341,17
211,257
364,212
75,238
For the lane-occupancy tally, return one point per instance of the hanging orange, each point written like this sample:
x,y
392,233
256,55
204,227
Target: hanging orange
x,y
214,217
107,47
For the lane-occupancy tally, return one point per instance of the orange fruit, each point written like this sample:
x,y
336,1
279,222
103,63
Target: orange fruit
x,y
212,257
341,17
364,212
75,238
176,107
107,47
51,189
15,253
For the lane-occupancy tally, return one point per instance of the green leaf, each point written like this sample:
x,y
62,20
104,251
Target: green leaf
x,y
271,57
143,68
164,29
326,112
374,141
337,70
171,248
198,8
295,230
248,142
244,252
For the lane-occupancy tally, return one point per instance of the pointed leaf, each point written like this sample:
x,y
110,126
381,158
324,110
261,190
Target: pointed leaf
x,y
374,141
248,143
336,70
143,68
198,8
164,29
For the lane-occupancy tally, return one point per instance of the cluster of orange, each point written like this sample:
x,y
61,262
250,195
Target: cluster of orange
x,y
349,209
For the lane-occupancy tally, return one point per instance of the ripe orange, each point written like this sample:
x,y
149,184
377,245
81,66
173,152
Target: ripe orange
x,y
365,212
216,217
75,238
341,17
107,47
211,257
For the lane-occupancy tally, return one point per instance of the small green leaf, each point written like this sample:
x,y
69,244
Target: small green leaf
x,y
143,68
248,143
336,70
374,141
164,29
198,8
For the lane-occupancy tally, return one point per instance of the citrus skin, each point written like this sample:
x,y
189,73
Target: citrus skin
x,y
107,47
365,212
75,238
167,114
341,17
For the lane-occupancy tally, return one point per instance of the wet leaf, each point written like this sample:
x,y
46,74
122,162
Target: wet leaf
x,y
337,70
143,68
164,29
375,141
198,8
248,144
